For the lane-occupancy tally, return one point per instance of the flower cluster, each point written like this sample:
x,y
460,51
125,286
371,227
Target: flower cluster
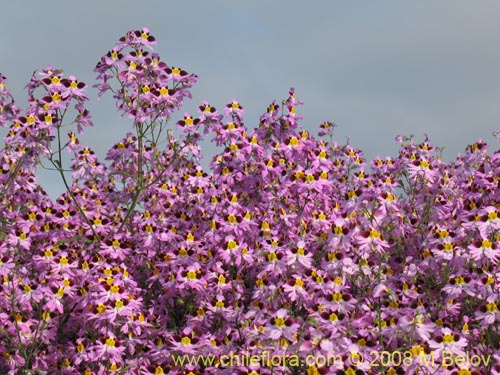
x,y
291,244
148,88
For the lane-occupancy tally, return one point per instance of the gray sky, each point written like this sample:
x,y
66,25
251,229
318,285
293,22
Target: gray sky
x,y
376,68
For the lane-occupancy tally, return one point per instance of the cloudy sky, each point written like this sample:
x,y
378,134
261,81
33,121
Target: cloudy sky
x,y
376,68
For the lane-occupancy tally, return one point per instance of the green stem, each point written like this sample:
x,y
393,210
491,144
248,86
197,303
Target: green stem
x,y
58,165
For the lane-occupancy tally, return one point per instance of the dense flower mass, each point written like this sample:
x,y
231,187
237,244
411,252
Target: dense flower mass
x,y
292,255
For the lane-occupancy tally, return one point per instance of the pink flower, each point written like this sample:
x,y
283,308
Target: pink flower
x,y
488,313
299,255
110,348
281,325
483,250
447,340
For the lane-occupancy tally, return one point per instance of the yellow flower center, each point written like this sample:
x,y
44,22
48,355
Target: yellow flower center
x,y
309,178
231,245
80,347
492,215
350,371
374,234
448,338
492,307
272,256
486,244
279,322
294,141
417,350
424,164
299,283
338,230
114,289
337,297
60,292
110,342
448,246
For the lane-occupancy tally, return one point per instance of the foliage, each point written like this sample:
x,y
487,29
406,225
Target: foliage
x,y
291,245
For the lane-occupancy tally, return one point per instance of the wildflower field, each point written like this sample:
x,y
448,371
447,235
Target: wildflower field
x,y
291,255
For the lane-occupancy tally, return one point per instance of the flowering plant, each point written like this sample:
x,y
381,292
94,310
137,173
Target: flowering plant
x,y
292,244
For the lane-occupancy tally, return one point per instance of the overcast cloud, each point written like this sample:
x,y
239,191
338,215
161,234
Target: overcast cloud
x,y
376,68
